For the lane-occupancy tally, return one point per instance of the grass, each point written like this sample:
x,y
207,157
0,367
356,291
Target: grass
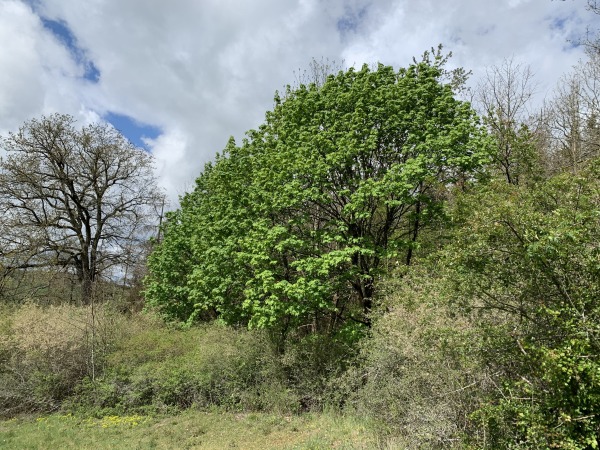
x,y
189,430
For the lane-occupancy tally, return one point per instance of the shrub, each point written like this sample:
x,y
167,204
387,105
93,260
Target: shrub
x,y
528,261
47,351
417,373
313,364
160,368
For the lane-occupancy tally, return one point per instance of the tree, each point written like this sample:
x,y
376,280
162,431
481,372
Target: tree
x,y
592,41
526,260
575,117
504,96
296,225
73,198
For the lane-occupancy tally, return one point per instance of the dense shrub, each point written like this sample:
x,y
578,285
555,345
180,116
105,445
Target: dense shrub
x,y
313,364
51,358
46,351
160,368
417,374
528,262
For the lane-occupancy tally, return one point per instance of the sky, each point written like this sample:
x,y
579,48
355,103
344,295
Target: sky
x,y
178,78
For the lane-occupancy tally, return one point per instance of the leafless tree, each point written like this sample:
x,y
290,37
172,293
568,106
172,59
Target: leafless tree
x,y
74,198
504,100
592,41
575,116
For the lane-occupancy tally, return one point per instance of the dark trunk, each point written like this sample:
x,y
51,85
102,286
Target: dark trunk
x,y
365,290
415,233
86,278
86,290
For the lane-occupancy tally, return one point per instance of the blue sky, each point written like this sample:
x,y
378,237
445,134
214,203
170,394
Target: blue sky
x,y
62,32
135,131
179,78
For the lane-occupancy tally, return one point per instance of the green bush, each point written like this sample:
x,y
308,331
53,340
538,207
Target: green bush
x,y
140,364
527,260
160,368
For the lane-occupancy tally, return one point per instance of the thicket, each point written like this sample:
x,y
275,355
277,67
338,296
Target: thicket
x,y
46,352
53,359
489,342
485,242
492,341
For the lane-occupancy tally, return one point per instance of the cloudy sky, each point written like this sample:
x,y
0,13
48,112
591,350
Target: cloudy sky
x,y
179,77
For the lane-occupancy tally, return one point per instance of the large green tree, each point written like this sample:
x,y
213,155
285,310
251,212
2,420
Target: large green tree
x,y
296,225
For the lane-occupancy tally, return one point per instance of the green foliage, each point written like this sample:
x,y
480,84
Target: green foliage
x,y
294,227
143,366
515,153
162,369
528,262
493,341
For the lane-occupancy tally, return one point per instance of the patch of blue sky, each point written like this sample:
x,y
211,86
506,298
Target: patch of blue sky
x,y
351,20
569,26
62,32
558,23
132,129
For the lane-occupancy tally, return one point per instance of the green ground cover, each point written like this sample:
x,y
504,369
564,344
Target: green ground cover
x,y
188,430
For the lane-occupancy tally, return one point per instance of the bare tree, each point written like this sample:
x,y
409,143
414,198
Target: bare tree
x,y
592,41
504,97
74,198
317,72
575,116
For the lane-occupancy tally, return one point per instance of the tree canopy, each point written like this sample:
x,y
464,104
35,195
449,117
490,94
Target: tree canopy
x,y
294,226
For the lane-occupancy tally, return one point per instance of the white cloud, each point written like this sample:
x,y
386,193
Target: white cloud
x,y
36,72
479,34
204,70
175,173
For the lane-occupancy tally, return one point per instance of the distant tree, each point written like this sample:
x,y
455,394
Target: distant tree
x,y
574,117
318,72
73,198
504,96
592,41
296,225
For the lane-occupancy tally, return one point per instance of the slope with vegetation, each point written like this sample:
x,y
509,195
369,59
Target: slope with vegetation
x,y
374,250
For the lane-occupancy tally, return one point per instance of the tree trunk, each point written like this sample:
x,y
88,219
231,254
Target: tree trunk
x,y
415,234
86,290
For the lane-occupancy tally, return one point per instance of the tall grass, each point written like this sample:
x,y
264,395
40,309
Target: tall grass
x,y
45,352
70,358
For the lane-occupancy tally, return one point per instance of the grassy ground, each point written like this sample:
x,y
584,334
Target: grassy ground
x,y
189,430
